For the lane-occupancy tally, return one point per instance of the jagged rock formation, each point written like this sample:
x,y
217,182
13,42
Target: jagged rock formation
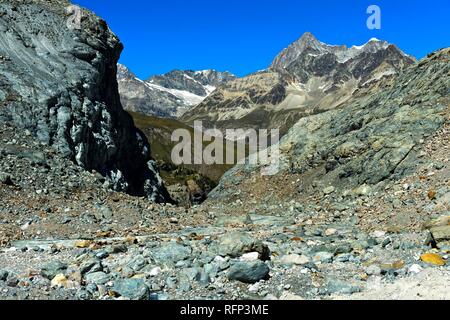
x,y
60,84
373,138
306,78
168,95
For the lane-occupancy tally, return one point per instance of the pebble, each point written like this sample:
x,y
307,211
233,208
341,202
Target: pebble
x,y
330,232
251,256
133,289
415,268
373,270
155,271
294,259
323,257
433,258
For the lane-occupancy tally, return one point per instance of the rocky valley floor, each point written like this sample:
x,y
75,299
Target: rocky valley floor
x,y
64,235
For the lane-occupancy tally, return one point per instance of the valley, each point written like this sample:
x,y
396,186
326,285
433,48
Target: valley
x,y
92,206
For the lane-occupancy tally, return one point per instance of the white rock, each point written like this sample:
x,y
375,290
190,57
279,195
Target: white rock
x,y
304,271
378,234
155,271
329,190
330,232
252,256
220,259
415,268
295,259
25,226
254,287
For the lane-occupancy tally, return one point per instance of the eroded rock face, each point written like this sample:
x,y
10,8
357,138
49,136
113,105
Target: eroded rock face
x,y
60,84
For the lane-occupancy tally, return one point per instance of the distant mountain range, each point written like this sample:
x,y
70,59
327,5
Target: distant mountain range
x,y
306,78
168,95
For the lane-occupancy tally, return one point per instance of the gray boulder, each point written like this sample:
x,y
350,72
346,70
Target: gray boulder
x,y
133,289
249,272
171,253
51,269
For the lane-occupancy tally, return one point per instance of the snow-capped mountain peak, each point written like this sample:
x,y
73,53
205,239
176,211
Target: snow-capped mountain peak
x,y
170,94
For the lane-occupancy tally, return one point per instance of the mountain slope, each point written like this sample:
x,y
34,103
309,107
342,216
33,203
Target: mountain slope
x,y
168,95
306,78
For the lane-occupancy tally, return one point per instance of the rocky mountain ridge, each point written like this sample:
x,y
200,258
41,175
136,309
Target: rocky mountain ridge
x,y
168,95
307,77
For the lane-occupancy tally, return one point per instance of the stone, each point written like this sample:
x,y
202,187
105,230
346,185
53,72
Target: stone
x,y
119,248
251,256
343,249
192,273
344,257
415,269
363,190
155,271
171,253
330,232
441,233
378,234
287,296
441,221
97,278
373,270
91,266
334,286
329,190
254,287
82,244
432,194
60,281
6,179
235,244
389,267
3,275
133,289
225,221
294,259
433,258
52,269
249,272
323,257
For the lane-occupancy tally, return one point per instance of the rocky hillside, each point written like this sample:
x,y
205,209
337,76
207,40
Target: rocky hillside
x,y
355,149
306,78
169,95
60,85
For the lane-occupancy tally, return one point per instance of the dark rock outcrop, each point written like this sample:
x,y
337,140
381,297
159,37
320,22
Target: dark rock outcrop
x,y
59,83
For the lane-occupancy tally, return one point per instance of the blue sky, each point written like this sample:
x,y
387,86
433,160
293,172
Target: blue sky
x,y
243,36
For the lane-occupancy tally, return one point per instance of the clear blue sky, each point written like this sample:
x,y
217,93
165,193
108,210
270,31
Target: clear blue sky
x,y
243,36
